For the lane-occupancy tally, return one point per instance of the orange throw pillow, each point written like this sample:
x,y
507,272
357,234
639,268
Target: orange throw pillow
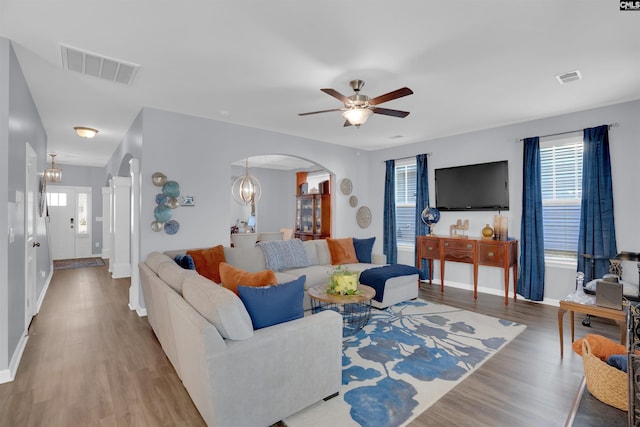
x,y
601,347
233,277
208,261
342,251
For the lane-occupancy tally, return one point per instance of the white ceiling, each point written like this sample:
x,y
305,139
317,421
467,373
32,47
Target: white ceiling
x,y
471,64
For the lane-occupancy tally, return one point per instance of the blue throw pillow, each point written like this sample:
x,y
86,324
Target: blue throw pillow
x,y
364,247
618,361
185,261
270,305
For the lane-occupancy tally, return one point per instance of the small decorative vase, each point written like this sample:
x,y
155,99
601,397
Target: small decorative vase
x,y
487,232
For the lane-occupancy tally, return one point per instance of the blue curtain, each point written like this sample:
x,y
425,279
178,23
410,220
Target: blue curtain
x,y
597,228
389,242
531,280
422,201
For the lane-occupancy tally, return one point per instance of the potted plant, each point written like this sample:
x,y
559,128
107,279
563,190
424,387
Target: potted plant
x,y
343,282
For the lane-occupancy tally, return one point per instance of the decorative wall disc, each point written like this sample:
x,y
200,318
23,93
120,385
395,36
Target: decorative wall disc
x,y
353,201
159,179
172,226
346,186
363,217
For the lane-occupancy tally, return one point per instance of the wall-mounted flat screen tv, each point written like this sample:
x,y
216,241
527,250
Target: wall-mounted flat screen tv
x,y
480,187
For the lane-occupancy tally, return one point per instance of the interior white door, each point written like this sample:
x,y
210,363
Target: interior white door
x,y
61,202
31,243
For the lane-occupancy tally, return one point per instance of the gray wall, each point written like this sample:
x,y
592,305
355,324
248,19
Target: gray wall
x,y
19,123
197,153
87,176
503,143
276,207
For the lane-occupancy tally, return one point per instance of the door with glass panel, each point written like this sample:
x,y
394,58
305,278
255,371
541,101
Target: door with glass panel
x,y
70,221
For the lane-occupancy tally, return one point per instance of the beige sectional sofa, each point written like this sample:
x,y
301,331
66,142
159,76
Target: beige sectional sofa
x,y
252,259
237,376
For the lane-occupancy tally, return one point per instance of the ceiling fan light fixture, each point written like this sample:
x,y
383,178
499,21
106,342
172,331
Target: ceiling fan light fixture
x,y
85,132
357,116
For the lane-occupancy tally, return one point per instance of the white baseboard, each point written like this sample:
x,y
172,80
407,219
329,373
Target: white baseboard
x,y
494,291
44,291
8,375
120,271
142,312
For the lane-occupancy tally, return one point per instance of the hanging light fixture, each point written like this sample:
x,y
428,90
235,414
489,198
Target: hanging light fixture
x,y
86,132
246,189
357,116
53,174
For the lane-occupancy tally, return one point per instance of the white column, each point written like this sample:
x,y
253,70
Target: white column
x,y
106,222
120,261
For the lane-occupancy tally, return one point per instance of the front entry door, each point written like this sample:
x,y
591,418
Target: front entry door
x,y
69,228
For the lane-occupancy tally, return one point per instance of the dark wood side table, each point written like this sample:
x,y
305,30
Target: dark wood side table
x,y
619,316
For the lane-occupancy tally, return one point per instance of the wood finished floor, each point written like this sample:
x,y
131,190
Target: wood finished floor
x,y
90,361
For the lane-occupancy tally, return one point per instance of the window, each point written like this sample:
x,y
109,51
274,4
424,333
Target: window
x,y
83,213
406,201
57,199
561,170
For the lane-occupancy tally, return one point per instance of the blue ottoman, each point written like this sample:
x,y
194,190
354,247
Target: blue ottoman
x,y
393,283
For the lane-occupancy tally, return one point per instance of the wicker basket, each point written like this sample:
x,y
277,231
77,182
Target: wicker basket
x,y
608,384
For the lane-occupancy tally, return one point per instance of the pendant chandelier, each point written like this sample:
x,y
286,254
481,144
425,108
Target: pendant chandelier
x,y
53,174
246,189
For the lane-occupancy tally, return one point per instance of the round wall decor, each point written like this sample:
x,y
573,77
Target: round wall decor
x,y
363,217
353,201
346,186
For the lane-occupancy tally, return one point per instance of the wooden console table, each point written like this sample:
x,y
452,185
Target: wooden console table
x,y
476,251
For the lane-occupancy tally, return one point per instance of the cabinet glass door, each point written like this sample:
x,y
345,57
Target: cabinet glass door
x,y
318,215
306,215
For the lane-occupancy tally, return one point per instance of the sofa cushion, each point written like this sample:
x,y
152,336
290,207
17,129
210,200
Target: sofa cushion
x,y
185,261
271,305
342,251
219,306
207,261
312,251
232,277
154,259
173,275
316,274
284,254
324,256
249,259
364,248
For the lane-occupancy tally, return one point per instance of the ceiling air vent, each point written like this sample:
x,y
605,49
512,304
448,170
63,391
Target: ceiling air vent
x,y
571,76
102,67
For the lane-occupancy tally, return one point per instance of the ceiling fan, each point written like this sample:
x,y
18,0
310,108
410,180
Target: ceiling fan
x,y
358,108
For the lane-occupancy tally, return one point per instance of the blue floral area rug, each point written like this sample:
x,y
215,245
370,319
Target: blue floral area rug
x,y
404,360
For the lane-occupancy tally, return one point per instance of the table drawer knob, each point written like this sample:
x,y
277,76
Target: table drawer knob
x,y
469,246
430,248
446,244
490,254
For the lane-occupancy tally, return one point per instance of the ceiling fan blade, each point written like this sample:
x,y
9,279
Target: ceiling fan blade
x,y
317,112
337,95
388,112
347,123
399,93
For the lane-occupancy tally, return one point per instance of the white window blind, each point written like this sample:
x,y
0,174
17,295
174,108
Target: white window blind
x,y
405,171
561,170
